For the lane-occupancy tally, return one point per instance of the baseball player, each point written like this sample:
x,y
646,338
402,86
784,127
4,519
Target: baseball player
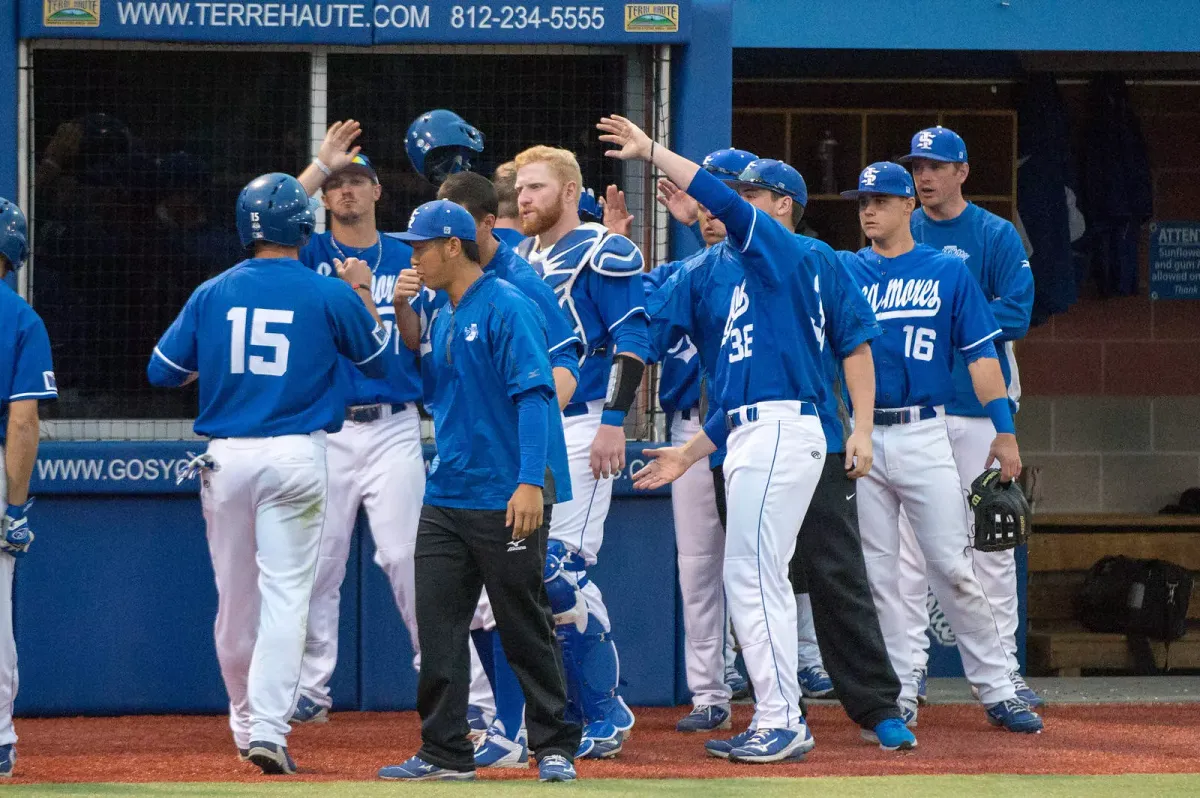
x,y
440,143
264,339
766,386
504,744
26,376
699,533
929,307
501,464
597,278
375,461
508,217
995,256
829,553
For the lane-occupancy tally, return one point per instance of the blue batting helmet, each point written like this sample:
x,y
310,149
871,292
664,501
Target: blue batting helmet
x,y
14,234
727,164
275,207
440,143
774,176
589,207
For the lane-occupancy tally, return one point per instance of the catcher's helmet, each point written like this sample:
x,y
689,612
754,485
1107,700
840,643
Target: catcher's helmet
x,y
589,207
440,143
14,234
275,207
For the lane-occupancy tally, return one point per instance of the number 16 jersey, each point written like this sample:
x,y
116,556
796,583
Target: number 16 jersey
x,y
929,306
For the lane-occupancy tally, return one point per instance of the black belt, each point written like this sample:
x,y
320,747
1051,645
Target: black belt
x,y
905,415
686,415
362,414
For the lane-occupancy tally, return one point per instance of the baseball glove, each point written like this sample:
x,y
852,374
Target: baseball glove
x,y
1002,514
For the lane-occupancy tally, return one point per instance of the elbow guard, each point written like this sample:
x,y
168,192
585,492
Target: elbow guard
x,y
623,381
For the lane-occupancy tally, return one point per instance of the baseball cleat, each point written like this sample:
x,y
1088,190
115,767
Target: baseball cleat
x,y
721,748
8,759
309,711
1025,692
477,723
601,740
272,758
774,745
705,718
1015,716
417,769
555,767
892,735
908,713
920,675
243,754
497,751
738,685
815,682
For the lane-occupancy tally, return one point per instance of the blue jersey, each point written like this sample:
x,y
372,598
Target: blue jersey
x,y
509,236
995,256
265,338
486,352
596,277
387,258
679,366
774,326
565,350
26,371
931,310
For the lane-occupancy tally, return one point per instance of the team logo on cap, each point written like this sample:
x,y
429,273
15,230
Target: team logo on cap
x,y
868,176
446,229
925,139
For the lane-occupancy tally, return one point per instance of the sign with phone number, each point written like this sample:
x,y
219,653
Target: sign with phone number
x,y
358,22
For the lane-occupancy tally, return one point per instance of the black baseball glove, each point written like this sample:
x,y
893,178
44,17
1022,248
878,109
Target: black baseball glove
x,y
1002,514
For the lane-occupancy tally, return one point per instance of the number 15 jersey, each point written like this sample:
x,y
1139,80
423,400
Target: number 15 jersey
x,y
929,306
265,338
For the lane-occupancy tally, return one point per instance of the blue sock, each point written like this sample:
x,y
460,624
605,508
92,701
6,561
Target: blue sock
x,y
510,699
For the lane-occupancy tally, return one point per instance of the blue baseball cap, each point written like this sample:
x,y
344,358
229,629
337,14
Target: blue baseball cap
x,y
883,177
439,219
727,164
774,176
937,144
360,163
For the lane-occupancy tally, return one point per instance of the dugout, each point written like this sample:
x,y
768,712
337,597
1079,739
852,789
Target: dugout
x,y
1092,104
131,125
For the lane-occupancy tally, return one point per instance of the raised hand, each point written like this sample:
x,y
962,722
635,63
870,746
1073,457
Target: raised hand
x,y
683,208
617,217
630,140
336,152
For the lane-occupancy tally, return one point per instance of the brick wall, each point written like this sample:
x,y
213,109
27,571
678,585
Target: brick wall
x,y
1112,387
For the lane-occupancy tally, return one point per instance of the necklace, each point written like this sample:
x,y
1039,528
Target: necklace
x,y
378,257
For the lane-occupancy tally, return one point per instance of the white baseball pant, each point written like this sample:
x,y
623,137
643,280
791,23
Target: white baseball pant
x,y
971,440
771,472
579,523
264,508
914,469
8,643
700,547
378,465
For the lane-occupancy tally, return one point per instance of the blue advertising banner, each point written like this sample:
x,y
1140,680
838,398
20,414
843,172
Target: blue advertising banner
x,y
1175,260
358,22
154,467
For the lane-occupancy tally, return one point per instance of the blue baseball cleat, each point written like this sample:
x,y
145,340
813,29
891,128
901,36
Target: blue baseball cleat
x,y
738,685
721,748
601,740
774,745
705,718
555,768
272,758
309,711
1025,692
8,759
921,677
815,682
497,751
1015,716
892,735
417,769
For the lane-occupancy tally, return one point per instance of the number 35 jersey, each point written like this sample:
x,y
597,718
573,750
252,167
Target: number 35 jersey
x,y
265,337
929,306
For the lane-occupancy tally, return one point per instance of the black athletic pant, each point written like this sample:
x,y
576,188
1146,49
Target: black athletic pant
x,y
829,562
458,553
